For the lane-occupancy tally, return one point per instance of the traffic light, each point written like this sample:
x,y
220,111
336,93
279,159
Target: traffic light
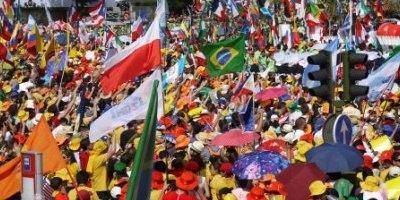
x,y
351,75
323,75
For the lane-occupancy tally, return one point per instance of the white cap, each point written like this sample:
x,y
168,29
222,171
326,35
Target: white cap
x,y
394,171
115,191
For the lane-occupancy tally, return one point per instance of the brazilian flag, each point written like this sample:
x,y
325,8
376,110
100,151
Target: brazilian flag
x,y
225,57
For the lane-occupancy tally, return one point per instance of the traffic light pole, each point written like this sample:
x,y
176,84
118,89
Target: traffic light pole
x,y
346,76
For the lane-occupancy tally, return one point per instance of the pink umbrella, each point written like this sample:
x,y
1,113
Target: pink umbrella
x,y
235,137
271,93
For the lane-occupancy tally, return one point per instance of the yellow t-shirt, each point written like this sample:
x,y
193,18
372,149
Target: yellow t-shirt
x,y
72,194
113,182
156,194
98,170
218,182
63,173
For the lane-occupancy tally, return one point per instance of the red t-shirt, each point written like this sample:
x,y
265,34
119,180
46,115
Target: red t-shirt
x,y
84,158
172,195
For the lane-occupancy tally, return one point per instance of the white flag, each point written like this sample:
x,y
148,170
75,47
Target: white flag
x,y
381,79
133,107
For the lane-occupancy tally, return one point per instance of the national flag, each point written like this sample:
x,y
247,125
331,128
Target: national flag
x,y
247,115
42,140
264,7
382,79
96,8
6,26
118,43
233,8
63,60
145,53
14,39
10,178
253,8
246,88
314,10
200,58
225,57
362,9
346,26
74,15
98,13
312,21
378,7
359,32
174,71
50,69
34,39
184,28
49,52
31,22
198,6
108,35
134,107
137,29
219,10
8,8
139,185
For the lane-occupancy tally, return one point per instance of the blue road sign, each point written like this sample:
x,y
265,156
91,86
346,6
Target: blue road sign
x,y
342,130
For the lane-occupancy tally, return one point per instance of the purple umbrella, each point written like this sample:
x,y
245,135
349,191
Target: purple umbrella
x,y
256,164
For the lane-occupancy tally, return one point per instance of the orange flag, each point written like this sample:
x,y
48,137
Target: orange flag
x,y
10,178
42,140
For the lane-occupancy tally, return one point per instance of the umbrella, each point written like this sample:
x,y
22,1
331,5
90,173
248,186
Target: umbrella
x,y
335,157
393,188
256,164
271,93
297,178
235,137
275,145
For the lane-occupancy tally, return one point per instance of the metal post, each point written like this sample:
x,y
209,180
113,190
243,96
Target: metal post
x,y
346,80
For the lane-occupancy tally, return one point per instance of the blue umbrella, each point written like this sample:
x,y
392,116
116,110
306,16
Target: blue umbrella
x,y
256,164
332,158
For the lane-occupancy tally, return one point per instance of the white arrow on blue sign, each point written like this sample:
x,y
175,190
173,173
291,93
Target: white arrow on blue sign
x,y
342,129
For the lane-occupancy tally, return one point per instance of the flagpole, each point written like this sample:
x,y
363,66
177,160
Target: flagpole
x,y
351,21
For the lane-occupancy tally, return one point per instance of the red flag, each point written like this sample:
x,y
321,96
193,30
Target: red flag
x,y
137,29
138,58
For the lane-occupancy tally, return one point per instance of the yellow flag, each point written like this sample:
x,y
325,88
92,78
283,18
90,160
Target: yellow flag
x,y
49,52
39,39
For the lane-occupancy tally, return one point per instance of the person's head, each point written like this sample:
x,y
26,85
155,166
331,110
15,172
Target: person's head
x,y
396,159
56,183
69,156
82,177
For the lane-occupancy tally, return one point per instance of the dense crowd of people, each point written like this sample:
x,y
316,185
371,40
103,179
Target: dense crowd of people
x,y
198,109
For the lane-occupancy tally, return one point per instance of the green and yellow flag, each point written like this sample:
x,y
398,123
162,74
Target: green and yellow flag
x,y
140,180
225,57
